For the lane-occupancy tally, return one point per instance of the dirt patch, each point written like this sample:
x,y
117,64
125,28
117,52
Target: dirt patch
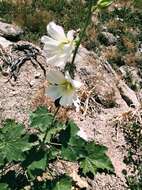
x,y
16,96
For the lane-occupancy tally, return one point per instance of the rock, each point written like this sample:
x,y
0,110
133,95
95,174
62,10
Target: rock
x,y
107,38
10,30
37,75
128,95
131,76
105,94
4,43
31,83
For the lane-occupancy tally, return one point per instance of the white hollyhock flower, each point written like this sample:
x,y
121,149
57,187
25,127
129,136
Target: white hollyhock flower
x,y
58,46
62,87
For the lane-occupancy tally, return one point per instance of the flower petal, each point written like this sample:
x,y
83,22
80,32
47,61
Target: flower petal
x,y
67,100
70,35
68,49
55,77
57,48
56,31
56,60
49,41
76,84
54,92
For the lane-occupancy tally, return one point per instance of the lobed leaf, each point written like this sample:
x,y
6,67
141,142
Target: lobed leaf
x,y
13,141
41,119
74,150
90,155
72,145
69,132
88,165
52,132
96,158
37,167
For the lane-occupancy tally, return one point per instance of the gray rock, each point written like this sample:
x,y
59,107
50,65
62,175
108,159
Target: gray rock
x,y
128,95
4,43
109,38
10,30
131,76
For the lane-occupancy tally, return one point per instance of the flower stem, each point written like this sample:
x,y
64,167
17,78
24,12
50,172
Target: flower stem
x,y
53,120
82,33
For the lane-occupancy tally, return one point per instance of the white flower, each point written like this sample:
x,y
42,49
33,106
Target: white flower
x,y
58,47
62,87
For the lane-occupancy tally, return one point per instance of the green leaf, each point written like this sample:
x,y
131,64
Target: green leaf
x,y
37,167
96,158
69,153
1,160
91,164
41,119
4,186
35,162
63,184
72,145
59,183
13,141
52,132
70,131
104,3
90,155
74,149
53,153
73,128
88,165
93,148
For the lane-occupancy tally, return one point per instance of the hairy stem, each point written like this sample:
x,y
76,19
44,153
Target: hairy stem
x,y
53,120
82,33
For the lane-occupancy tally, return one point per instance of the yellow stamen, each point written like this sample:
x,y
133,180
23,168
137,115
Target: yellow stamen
x,y
67,86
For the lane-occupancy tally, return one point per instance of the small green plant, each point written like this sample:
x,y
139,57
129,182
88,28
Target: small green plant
x,y
133,159
33,153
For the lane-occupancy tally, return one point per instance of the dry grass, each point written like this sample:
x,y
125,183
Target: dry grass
x,y
128,43
110,52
